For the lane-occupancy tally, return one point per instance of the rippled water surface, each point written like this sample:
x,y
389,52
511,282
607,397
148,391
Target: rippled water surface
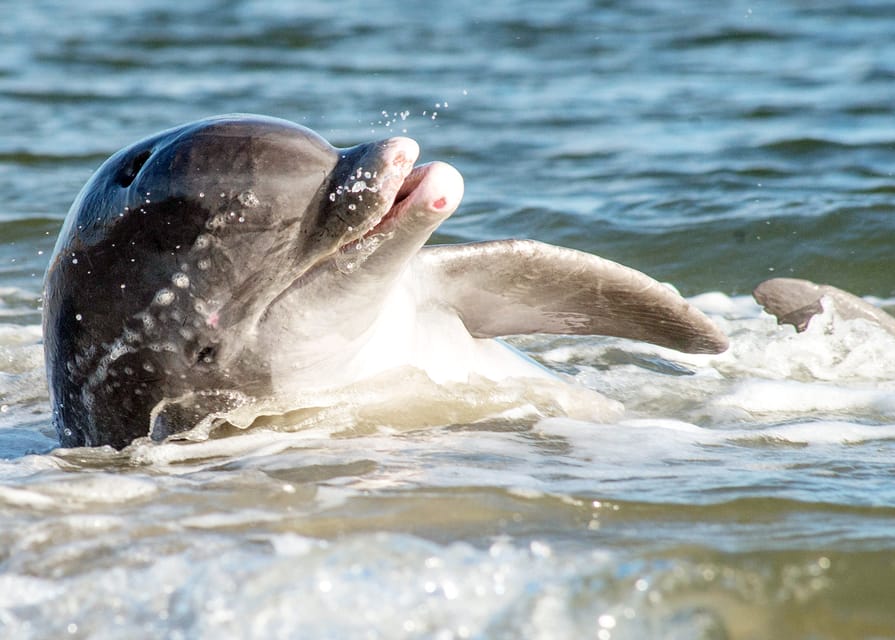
x,y
711,145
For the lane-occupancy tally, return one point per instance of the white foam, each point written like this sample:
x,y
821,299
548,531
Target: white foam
x,y
25,498
23,591
825,432
223,520
662,434
258,442
715,303
791,396
290,544
104,488
830,349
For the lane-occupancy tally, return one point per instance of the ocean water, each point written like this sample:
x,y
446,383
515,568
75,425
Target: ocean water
x,y
748,495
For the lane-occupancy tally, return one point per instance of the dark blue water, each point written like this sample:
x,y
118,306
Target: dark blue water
x,y
711,145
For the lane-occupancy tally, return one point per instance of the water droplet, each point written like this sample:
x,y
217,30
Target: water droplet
x,y
606,621
164,297
248,199
202,241
78,317
147,320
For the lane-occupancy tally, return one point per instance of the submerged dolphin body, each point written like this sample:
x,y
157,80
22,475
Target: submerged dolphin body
x,y
241,257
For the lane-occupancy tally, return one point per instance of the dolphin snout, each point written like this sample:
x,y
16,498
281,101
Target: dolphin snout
x,y
401,153
442,189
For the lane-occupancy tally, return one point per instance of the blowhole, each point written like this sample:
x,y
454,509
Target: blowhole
x,y
130,171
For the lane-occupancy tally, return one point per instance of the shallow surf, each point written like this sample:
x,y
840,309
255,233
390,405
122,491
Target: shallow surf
x,y
738,496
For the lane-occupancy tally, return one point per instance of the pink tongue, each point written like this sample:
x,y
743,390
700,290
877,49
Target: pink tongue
x,y
411,182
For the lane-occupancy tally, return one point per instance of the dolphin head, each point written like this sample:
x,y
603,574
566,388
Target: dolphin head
x,y
184,252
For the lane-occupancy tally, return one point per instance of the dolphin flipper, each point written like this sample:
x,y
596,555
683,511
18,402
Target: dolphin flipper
x,y
794,301
510,287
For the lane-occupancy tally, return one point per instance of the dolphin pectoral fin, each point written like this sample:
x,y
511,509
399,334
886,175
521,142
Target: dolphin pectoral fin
x,y
794,301
791,300
510,287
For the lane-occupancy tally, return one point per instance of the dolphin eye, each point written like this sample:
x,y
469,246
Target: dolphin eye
x,y
132,168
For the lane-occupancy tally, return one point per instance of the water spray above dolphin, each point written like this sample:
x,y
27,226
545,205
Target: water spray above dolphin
x,y
242,257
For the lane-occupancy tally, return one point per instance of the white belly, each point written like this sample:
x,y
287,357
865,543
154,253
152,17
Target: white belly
x,y
432,338
410,330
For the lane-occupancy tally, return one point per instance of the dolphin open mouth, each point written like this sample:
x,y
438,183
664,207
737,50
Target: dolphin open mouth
x,y
404,199
427,194
391,199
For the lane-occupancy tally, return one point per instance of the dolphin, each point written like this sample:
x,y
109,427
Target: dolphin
x,y
242,257
794,301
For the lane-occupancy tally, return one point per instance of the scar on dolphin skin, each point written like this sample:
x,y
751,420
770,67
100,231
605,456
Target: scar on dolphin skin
x,y
269,264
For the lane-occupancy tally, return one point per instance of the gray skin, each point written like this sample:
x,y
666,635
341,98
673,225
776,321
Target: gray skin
x,y
153,276
241,256
794,301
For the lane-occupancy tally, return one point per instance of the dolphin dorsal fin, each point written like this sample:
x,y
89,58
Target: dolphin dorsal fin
x,y
511,287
